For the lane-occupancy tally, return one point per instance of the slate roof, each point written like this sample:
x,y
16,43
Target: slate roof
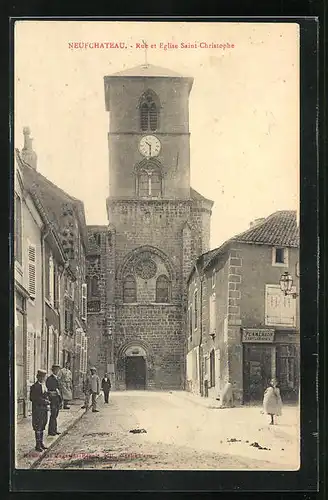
x,y
52,198
280,228
148,70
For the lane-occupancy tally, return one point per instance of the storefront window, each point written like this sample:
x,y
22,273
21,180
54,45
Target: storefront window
x,y
286,367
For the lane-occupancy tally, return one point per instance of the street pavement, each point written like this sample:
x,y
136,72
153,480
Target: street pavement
x,y
175,431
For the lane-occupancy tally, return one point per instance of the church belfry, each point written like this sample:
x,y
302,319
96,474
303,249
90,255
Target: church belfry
x,y
158,225
149,126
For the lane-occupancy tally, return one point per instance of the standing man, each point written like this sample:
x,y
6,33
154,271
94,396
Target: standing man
x,y
40,407
65,379
92,387
53,387
106,386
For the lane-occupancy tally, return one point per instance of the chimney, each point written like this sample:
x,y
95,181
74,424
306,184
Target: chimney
x,y
255,222
28,155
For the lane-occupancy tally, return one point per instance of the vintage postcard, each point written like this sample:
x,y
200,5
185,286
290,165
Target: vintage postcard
x,y
157,170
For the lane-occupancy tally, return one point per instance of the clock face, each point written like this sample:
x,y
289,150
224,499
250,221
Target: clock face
x,y
149,146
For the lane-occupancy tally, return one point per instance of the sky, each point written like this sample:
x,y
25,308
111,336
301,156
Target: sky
x,y
244,109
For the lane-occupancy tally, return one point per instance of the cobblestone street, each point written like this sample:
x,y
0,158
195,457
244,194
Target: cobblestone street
x,y
180,434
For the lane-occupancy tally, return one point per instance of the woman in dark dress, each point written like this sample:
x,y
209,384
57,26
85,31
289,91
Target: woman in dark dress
x,y
106,386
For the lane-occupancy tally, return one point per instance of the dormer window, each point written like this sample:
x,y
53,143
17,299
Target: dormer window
x,y
280,256
149,107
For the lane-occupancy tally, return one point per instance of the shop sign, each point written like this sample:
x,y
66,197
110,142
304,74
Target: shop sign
x,y
258,335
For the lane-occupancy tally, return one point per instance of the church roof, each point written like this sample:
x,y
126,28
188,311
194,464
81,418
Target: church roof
x,y
147,70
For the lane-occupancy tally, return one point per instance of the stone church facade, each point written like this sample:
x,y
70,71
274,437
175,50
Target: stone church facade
x,y
158,225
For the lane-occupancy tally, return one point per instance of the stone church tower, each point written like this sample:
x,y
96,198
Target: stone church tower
x,y
158,225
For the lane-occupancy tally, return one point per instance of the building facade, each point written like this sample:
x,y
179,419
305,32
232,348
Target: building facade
x,y
51,301
241,327
28,299
157,226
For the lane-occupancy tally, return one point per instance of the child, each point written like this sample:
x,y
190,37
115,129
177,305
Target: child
x,y
272,403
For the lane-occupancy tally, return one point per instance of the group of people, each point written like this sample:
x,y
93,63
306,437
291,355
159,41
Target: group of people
x,y
54,392
92,386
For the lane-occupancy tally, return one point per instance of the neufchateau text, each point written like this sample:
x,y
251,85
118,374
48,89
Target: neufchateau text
x,y
159,45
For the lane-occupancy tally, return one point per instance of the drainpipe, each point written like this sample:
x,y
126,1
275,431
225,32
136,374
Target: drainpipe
x,y
44,234
200,347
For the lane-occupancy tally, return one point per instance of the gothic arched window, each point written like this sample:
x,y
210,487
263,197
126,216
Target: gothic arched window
x,y
149,111
149,180
129,289
162,289
143,184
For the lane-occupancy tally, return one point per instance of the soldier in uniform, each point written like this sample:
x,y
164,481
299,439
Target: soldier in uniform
x,y
53,387
40,407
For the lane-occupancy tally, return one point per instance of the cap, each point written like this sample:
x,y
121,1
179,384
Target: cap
x,y
41,373
93,368
55,366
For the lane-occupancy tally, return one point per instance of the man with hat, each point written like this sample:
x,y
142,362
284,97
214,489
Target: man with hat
x,y
53,387
40,407
92,386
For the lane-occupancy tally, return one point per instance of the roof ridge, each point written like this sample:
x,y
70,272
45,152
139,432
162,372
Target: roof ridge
x,y
52,184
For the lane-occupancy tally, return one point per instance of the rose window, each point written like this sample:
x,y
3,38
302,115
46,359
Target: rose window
x,y
146,268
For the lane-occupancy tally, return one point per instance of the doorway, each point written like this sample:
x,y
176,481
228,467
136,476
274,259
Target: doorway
x,y
257,371
135,372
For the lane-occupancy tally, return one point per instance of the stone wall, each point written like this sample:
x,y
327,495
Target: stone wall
x,y
158,329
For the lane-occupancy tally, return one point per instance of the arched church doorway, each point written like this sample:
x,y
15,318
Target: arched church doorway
x,y
135,368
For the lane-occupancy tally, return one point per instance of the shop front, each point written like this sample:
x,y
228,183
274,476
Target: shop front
x,y
269,353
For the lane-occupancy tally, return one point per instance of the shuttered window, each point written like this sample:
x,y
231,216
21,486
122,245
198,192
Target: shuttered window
x,y
279,309
144,116
212,368
212,313
195,309
148,111
51,280
84,302
32,270
18,229
30,352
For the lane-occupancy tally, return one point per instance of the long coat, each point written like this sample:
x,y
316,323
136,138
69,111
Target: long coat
x,y
66,384
106,385
53,391
40,406
272,403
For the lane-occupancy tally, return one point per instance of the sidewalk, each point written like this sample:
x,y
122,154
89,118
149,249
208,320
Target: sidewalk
x,y
25,455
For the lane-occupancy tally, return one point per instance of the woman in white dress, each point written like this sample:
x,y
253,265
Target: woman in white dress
x,y
272,403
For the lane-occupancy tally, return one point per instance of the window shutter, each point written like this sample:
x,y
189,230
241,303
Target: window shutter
x,y
84,302
32,270
30,357
51,279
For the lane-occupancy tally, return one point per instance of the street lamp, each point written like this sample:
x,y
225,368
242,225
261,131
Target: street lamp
x,y
286,284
